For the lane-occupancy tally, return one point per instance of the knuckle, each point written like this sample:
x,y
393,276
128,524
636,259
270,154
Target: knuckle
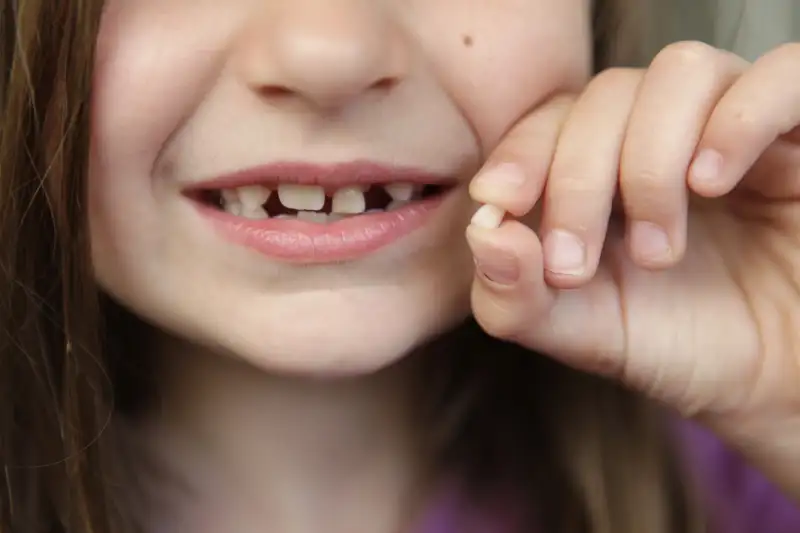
x,y
788,51
574,182
647,179
743,119
541,119
610,365
561,104
648,193
514,151
497,316
686,55
614,79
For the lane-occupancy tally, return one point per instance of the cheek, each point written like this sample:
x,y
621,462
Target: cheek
x,y
502,58
153,66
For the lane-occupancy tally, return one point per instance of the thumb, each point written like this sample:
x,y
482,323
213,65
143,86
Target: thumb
x,y
510,297
581,328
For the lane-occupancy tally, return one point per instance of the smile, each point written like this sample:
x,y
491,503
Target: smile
x,y
313,214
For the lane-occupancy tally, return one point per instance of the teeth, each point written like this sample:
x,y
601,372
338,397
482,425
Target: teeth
x,y
249,201
252,200
234,209
400,191
397,204
253,196
246,201
488,216
231,202
255,213
349,200
302,197
312,216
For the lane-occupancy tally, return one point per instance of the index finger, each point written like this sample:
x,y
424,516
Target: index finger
x,y
514,175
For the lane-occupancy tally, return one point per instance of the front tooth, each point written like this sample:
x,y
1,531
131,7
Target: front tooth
x,y
253,196
312,216
400,191
302,197
349,200
397,204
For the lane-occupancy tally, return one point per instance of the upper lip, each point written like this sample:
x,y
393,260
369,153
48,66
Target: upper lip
x,y
326,175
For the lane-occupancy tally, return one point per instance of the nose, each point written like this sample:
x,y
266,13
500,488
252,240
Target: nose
x,y
325,52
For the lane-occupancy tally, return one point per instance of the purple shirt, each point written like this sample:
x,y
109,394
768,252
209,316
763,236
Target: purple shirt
x,y
739,498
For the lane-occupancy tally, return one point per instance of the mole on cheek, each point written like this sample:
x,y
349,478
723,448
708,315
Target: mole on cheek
x,y
467,40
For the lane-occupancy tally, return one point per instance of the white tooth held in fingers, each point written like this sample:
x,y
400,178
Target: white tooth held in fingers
x,y
302,197
402,192
312,216
488,217
349,200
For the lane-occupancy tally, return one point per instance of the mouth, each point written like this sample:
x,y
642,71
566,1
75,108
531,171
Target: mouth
x,y
313,214
314,203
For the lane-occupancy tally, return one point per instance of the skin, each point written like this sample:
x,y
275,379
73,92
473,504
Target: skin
x,y
700,315
245,340
194,79
284,388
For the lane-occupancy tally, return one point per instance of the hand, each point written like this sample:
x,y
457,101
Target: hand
x,y
668,249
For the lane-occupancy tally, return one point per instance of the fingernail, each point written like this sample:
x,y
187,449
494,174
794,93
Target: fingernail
x,y
488,217
706,166
506,176
649,241
493,262
564,253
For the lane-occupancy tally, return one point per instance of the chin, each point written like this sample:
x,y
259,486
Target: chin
x,y
316,333
346,334
340,318
357,351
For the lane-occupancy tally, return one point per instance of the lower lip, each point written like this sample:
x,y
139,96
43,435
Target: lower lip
x,y
308,242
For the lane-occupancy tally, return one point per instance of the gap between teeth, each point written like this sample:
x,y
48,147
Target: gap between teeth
x,y
308,200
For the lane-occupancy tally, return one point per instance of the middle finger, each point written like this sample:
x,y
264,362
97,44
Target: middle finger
x,y
676,98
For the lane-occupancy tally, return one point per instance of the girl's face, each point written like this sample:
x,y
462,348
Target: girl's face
x,y
196,99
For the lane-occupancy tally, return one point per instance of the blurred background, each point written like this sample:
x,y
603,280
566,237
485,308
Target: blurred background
x,y
748,27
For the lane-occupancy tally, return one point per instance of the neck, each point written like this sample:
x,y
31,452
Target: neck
x,y
232,448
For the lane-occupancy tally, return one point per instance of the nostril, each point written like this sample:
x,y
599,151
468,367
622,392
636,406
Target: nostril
x,y
385,84
328,97
276,91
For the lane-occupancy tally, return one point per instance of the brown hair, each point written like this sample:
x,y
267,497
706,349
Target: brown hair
x,y
595,458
